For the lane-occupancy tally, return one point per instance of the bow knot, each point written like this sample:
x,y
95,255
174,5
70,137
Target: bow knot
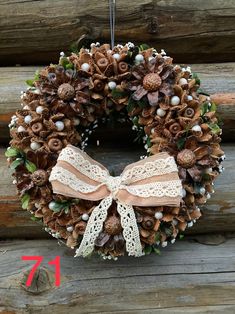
x,y
152,181
113,184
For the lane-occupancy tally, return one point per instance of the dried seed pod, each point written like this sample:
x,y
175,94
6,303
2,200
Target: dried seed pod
x,y
66,91
148,222
55,144
186,158
112,225
152,82
39,177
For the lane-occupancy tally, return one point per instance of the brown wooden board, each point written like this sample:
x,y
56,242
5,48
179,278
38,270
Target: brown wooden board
x,y
218,214
191,31
188,277
217,79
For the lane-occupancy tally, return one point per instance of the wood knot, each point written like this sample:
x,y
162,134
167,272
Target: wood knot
x,y
42,281
153,26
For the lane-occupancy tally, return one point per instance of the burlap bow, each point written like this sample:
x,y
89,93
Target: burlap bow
x,y
152,181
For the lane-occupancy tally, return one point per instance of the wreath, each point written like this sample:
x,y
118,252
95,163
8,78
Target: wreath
x,y
177,123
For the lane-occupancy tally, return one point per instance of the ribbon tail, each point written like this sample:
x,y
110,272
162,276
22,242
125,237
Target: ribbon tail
x,y
94,227
130,229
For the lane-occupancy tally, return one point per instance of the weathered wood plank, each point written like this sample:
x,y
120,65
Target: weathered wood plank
x,y
217,79
219,213
201,31
188,277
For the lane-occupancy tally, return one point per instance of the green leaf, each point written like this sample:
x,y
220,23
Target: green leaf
x,y
25,201
16,163
30,166
30,82
117,93
148,249
69,66
181,236
144,47
168,231
36,76
157,237
36,218
135,121
195,76
59,206
213,107
142,103
12,152
148,142
204,108
214,128
156,250
180,143
131,104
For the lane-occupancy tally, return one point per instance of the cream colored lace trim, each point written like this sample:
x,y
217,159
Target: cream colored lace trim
x,y
150,169
94,172
94,227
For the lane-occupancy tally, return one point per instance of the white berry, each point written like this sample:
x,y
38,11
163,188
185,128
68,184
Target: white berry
x,y
175,100
112,85
190,224
173,241
27,119
139,58
85,67
52,205
164,244
183,81
85,217
161,112
35,146
202,190
21,129
59,125
158,215
116,56
208,196
190,98
39,109
196,128
183,193
69,228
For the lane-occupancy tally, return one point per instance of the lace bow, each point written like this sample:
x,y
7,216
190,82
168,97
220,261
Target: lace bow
x,y
152,181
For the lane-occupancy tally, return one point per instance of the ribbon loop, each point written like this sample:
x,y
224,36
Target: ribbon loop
x,y
153,181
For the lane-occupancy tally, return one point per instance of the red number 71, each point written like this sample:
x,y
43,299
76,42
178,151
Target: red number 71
x,y
39,259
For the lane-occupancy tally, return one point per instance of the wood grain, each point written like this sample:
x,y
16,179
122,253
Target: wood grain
x,y
188,277
36,31
218,214
217,79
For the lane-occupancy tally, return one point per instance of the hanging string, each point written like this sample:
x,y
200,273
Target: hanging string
x,y
112,9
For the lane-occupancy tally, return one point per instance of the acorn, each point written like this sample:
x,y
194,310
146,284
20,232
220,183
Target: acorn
x,y
113,225
152,82
186,158
66,91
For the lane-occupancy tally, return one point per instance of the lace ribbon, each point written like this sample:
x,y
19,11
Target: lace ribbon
x,y
153,181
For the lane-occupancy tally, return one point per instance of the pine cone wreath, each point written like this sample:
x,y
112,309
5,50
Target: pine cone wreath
x,y
63,105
